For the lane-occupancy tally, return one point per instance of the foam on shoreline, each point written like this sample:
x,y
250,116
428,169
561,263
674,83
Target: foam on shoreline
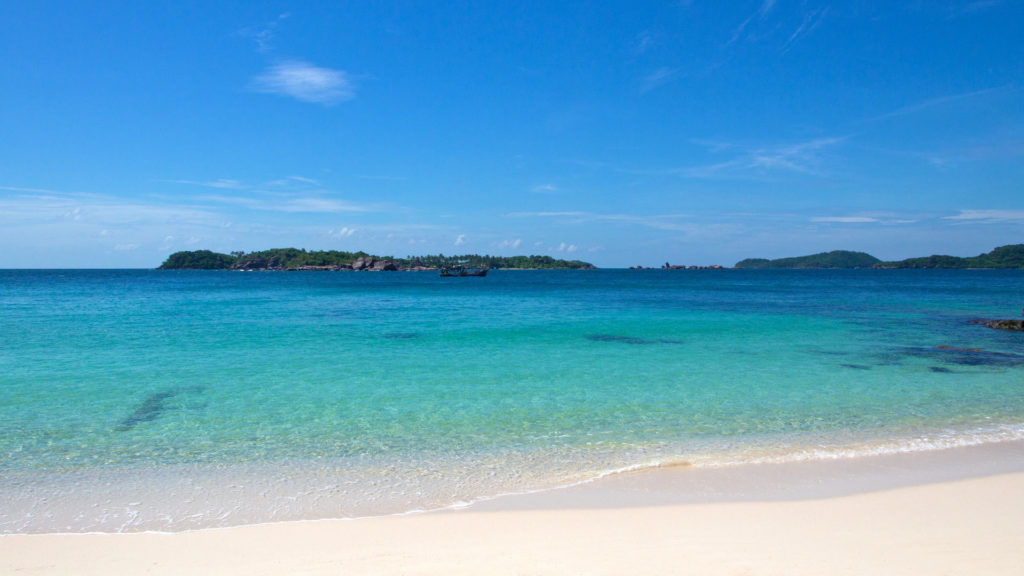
x,y
196,498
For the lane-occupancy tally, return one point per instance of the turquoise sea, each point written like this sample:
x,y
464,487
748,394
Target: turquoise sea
x,y
173,400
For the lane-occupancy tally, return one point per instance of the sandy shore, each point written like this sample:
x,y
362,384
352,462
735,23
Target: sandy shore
x,y
905,526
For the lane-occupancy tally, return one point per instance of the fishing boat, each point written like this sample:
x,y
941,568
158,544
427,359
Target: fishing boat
x,y
462,271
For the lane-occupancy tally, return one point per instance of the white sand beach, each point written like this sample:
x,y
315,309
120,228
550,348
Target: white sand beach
x,y
903,525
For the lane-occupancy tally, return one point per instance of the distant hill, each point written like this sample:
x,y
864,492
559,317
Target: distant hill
x,y
834,259
1011,256
298,259
1005,257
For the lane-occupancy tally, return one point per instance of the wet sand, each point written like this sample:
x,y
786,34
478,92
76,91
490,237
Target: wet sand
x,y
950,512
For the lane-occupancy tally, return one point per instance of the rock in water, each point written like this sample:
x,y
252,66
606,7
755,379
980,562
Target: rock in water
x,y
1004,324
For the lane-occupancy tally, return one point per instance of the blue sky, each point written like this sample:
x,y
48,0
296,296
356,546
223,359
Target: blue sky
x,y
618,133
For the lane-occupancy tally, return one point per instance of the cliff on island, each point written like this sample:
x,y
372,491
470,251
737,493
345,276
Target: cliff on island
x,y
318,260
1003,257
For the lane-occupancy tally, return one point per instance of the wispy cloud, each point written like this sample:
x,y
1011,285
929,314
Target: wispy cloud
x,y
845,219
657,79
811,21
884,219
218,183
313,204
761,12
103,212
657,221
385,177
988,216
509,243
293,194
263,34
958,9
938,102
460,240
643,42
29,190
305,82
800,157
544,188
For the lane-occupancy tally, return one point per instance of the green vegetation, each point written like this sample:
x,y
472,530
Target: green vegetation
x,y
293,258
834,259
198,260
514,262
1003,257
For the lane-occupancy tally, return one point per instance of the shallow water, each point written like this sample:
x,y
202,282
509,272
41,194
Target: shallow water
x,y
146,400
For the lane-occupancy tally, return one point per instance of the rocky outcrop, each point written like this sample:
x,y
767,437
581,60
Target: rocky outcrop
x,y
1017,325
259,263
375,265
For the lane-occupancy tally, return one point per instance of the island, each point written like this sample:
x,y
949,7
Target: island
x,y
1003,257
834,259
295,259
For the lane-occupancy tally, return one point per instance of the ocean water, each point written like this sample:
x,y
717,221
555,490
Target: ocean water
x,y
174,400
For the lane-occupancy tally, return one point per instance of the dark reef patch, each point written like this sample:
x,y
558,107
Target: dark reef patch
x,y
629,339
1014,325
966,356
401,335
856,366
150,409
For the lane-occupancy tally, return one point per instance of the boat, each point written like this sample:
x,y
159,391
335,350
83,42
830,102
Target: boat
x,y
462,271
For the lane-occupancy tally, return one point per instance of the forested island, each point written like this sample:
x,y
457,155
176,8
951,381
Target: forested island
x,y
305,260
1003,257
834,259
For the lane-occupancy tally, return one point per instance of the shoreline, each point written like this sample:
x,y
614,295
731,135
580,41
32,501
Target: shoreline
x,y
215,498
190,498
959,510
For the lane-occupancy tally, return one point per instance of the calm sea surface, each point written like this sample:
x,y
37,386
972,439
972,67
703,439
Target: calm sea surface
x,y
145,400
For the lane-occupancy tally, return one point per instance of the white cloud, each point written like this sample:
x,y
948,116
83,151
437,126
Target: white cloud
x,y
460,240
312,204
510,243
545,188
988,216
225,183
845,219
305,82
344,232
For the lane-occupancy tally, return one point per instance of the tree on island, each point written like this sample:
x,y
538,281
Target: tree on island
x,y
296,259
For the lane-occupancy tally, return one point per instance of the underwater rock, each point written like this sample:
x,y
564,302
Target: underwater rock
x,y
628,339
149,410
1016,325
967,356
